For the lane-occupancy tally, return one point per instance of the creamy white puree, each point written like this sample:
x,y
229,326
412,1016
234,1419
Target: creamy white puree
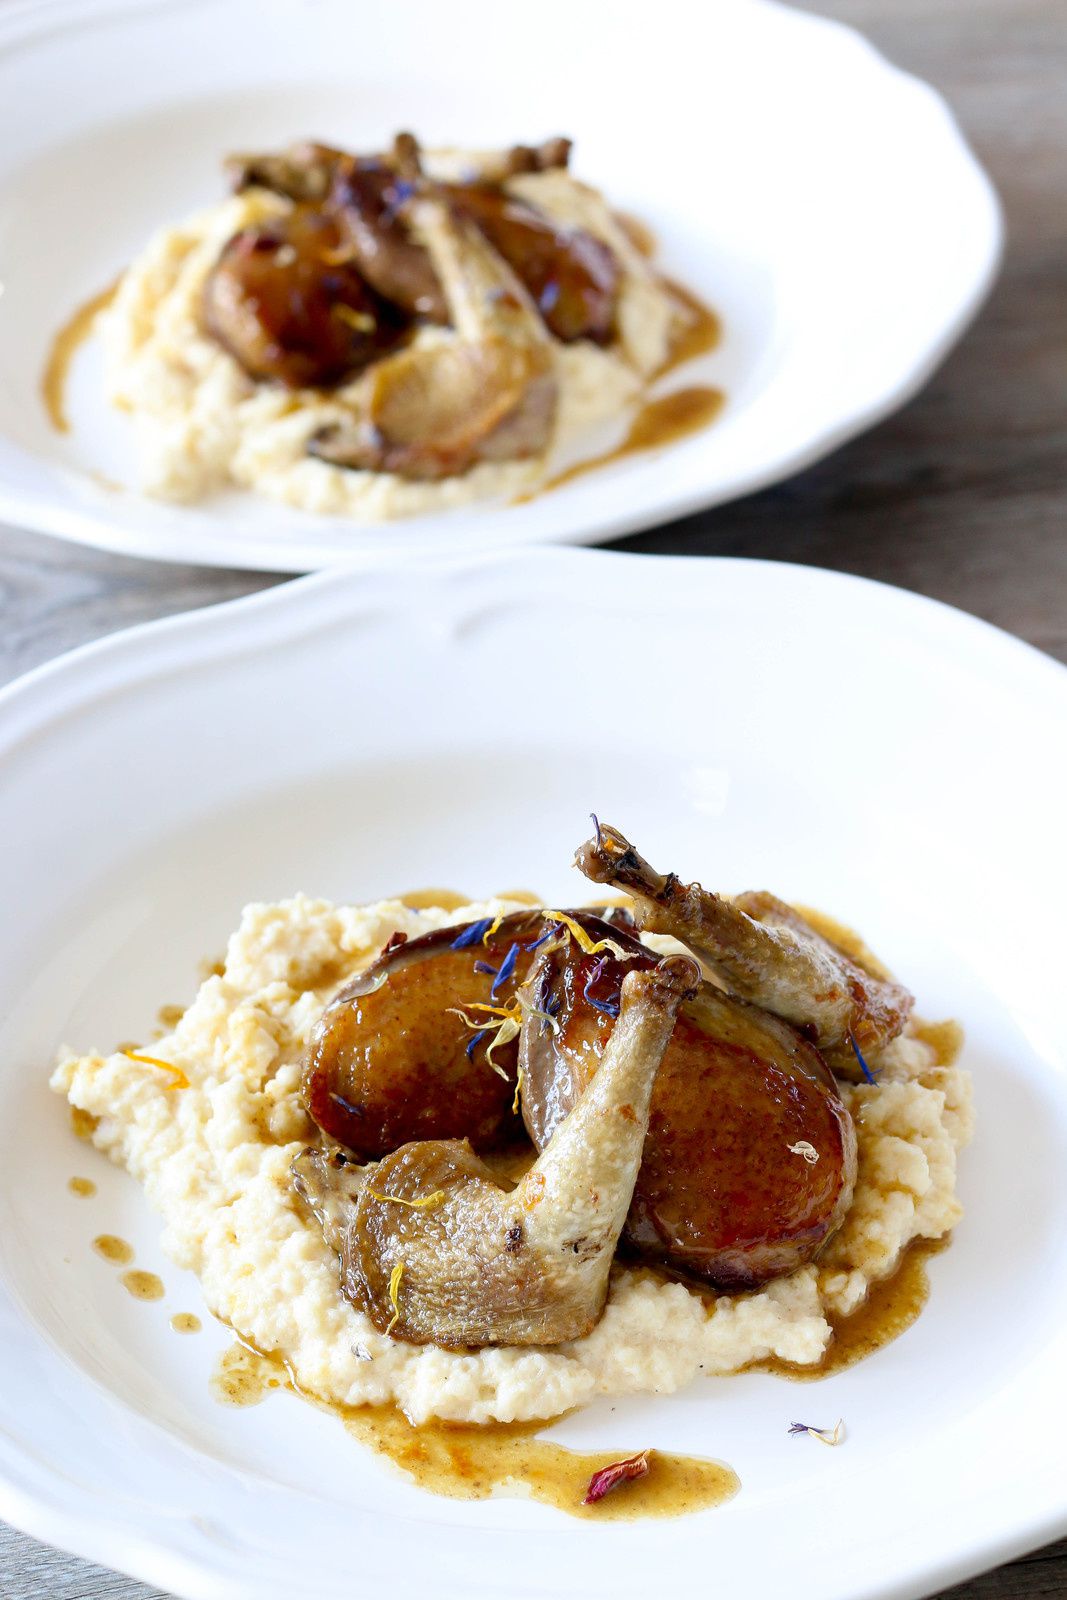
x,y
203,425
214,1160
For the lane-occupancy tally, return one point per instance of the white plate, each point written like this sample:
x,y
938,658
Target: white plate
x,y
850,745
824,202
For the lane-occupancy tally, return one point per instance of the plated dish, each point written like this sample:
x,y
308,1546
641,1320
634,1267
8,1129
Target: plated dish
x,y
385,334
841,271
488,1162
132,874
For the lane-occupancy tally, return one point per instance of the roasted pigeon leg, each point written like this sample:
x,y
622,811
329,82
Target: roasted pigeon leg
x,y
486,394
750,1158
285,308
394,1058
763,951
435,1251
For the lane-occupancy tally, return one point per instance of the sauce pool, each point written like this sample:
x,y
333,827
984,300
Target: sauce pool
x,y
113,1249
64,347
659,421
142,1285
474,1461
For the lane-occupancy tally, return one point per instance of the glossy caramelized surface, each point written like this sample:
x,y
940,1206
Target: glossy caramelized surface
x,y
287,305
720,1195
388,1062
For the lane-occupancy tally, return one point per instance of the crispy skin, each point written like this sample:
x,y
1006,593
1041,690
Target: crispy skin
x,y
720,1196
433,1249
287,311
763,950
387,1062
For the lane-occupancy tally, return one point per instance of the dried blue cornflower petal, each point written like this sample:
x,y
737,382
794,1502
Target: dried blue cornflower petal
x,y
608,1007
484,966
549,931
858,1053
595,820
472,934
507,967
474,1040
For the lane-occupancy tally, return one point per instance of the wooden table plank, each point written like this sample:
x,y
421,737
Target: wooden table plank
x,y
962,496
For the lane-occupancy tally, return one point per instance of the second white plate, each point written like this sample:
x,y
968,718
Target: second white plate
x,y
845,744
824,202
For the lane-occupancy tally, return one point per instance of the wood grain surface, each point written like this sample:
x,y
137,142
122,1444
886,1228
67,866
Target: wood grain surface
x,y
962,496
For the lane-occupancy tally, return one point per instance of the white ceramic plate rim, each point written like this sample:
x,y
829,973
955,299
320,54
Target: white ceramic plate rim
x,y
556,518
77,683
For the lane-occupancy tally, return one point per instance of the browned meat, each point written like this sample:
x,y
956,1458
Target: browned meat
x,y
750,1157
391,1059
764,951
433,1249
284,307
544,157
369,199
303,172
572,277
489,394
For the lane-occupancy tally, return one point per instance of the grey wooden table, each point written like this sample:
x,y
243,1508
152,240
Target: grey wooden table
x,y
962,496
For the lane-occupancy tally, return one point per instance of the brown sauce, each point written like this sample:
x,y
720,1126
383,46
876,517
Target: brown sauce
x,y
83,1123
84,1188
244,1377
142,1285
185,1322
471,1462
701,334
113,1249
660,421
64,347
888,1311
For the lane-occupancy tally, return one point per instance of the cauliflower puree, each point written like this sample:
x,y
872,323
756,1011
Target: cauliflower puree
x,y
203,424
214,1159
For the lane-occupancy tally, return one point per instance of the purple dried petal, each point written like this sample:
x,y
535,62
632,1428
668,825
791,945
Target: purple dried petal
x,y
608,1478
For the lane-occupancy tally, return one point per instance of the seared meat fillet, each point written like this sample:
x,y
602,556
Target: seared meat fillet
x,y
750,1158
763,950
433,1249
390,1060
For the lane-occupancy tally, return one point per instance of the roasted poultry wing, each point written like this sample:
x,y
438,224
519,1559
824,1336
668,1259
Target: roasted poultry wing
x,y
764,951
